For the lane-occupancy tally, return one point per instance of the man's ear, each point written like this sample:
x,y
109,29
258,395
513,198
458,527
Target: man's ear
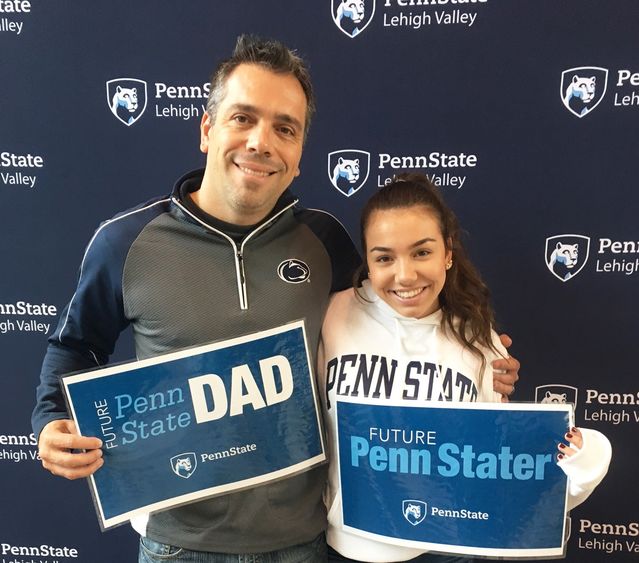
x,y
205,126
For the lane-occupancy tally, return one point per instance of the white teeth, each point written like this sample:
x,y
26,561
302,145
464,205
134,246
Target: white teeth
x,y
254,172
408,294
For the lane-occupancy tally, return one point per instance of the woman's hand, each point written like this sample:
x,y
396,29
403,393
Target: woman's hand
x,y
574,438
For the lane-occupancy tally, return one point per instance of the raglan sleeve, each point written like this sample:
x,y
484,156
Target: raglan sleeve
x,y
345,259
87,329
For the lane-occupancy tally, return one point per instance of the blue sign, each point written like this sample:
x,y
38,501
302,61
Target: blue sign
x,y
467,478
199,423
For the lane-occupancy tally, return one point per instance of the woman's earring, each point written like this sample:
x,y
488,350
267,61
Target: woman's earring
x,y
449,264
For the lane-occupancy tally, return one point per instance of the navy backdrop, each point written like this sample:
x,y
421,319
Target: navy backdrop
x,y
540,166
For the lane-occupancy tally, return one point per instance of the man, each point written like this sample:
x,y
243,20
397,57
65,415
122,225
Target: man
x,y
199,266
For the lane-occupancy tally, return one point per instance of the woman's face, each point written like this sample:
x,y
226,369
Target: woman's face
x,y
406,256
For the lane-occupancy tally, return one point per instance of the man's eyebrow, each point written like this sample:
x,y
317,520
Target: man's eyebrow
x,y
284,117
388,249
248,108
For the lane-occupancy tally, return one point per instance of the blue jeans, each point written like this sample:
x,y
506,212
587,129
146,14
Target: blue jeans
x,y
154,552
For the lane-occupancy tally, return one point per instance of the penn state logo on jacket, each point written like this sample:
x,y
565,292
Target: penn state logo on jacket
x,y
293,271
348,170
583,88
127,99
352,16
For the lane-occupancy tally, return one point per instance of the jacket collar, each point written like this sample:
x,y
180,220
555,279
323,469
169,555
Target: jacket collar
x,y
191,182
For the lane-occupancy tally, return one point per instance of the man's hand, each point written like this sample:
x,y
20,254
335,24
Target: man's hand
x,y
505,372
57,441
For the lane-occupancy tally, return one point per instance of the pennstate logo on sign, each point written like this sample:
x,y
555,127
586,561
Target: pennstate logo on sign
x,y
127,99
184,465
352,16
348,170
556,393
414,511
566,255
582,88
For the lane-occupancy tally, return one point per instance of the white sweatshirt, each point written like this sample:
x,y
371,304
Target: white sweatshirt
x,y
371,327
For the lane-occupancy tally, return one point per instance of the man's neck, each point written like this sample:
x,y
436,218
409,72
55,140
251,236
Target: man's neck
x,y
211,207
235,231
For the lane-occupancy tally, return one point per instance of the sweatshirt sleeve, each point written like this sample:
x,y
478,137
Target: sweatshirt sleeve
x,y
587,468
488,394
340,247
87,330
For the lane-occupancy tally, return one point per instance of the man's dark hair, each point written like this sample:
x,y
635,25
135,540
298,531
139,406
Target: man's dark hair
x,y
269,54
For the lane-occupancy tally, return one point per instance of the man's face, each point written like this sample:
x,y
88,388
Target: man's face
x,y
253,148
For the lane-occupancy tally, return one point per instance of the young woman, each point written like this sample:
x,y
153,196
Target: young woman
x,y
418,296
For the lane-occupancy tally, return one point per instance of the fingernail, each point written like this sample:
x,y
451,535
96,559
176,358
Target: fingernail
x,y
562,446
573,429
560,456
568,435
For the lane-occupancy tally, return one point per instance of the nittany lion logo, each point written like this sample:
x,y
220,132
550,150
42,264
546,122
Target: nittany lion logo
x,y
348,170
352,16
582,88
414,511
566,255
556,393
127,99
184,465
293,271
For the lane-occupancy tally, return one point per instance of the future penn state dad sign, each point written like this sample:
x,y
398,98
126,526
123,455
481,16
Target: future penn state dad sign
x,y
199,423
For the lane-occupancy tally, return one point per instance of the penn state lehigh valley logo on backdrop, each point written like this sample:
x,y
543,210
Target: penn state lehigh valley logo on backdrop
x,y
582,88
352,16
348,170
566,255
184,465
556,393
293,271
414,511
127,99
